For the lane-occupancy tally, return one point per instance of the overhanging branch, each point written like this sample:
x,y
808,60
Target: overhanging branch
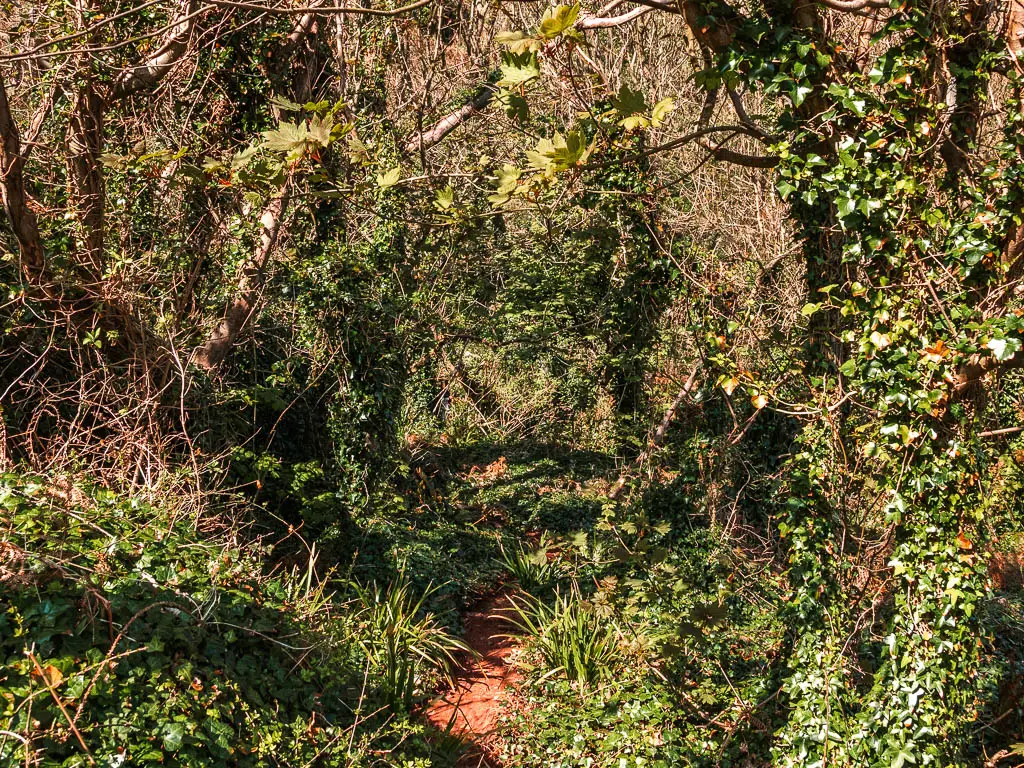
x,y
146,75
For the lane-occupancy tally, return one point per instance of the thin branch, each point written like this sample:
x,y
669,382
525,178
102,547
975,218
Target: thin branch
x,y
450,122
285,11
250,282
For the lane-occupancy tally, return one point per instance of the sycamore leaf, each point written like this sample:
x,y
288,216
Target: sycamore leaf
x,y
558,20
661,111
389,178
320,130
286,104
632,106
241,159
288,138
358,152
508,179
517,42
445,198
518,68
515,106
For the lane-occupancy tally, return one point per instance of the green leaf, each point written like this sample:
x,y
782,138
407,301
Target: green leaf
x,y
1004,349
518,68
629,102
173,735
286,104
445,198
661,111
515,106
389,178
785,189
288,138
558,20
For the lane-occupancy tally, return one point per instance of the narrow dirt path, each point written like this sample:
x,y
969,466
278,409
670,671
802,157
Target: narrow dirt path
x,y
472,707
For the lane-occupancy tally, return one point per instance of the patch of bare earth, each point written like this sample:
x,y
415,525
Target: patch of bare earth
x,y
482,685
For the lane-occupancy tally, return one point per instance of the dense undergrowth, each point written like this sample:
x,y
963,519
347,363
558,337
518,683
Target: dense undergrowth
x,y
694,330
135,632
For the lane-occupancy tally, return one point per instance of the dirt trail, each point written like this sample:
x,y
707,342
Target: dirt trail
x,y
476,700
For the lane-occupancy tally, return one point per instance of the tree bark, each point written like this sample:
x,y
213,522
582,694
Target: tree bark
x,y
450,122
146,75
250,281
85,175
12,185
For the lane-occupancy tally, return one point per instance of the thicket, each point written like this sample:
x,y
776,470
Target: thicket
x,y
700,322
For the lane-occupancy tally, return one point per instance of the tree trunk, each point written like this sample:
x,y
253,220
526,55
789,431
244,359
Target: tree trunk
x,y
250,282
12,185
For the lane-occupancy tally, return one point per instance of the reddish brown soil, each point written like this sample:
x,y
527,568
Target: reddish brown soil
x,y
482,683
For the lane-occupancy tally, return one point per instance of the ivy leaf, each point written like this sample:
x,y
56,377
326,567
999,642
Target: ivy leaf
x,y
785,189
1004,349
173,735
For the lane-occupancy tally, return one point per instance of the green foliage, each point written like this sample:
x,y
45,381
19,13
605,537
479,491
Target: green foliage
x,y
401,640
164,645
570,636
531,568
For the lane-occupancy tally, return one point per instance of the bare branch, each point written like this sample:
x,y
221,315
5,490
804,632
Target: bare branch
x,y
599,22
147,74
357,10
853,5
450,122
